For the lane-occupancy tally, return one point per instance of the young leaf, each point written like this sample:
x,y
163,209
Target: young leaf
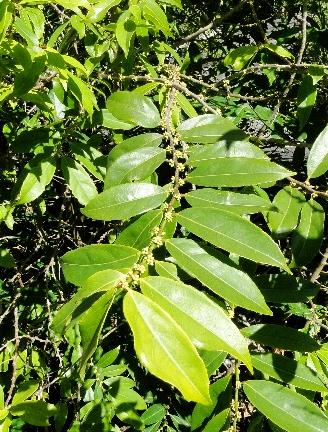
x,y
206,324
81,263
239,57
209,128
155,14
134,108
233,233
124,201
240,203
288,370
289,202
280,336
317,163
159,340
286,408
223,279
78,180
34,178
308,236
224,149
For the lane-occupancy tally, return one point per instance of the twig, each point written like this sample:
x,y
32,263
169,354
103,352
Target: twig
x,y
236,398
316,274
298,62
212,25
174,85
258,22
308,187
15,357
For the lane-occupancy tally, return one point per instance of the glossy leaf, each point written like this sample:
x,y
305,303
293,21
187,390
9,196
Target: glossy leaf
x,y
286,408
69,313
100,9
125,201
306,98
78,180
235,172
159,340
308,236
134,166
167,269
289,202
284,288
206,324
139,233
155,413
79,264
124,32
233,233
240,203
317,163
134,108
218,422
224,149
134,143
154,13
91,325
223,279
108,120
239,57
200,412
288,370
34,178
209,128
280,336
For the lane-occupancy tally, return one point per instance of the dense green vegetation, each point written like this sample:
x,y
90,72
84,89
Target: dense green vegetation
x,y
163,191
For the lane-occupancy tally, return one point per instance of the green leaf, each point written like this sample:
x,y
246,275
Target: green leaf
x,y
155,14
135,165
235,172
139,233
155,413
134,108
218,422
209,128
232,233
6,259
185,105
239,57
35,412
289,202
71,311
91,158
107,120
240,203
167,269
6,17
124,201
82,92
81,263
100,9
108,358
24,391
279,50
200,412
91,325
34,178
224,149
193,310
286,408
125,30
212,360
283,288
317,163
306,98
308,236
280,336
159,340
78,180
288,370
223,279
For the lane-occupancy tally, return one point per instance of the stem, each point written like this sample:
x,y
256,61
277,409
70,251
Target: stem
x,y
236,398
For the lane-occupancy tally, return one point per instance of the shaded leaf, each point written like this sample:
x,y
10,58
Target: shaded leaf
x,y
239,57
